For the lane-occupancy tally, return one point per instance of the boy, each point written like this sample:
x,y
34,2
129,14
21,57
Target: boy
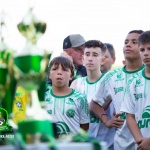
x,y
68,108
137,98
112,88
92,59
110,58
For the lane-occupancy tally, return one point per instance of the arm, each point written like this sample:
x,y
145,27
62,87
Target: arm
x,y
84,126
133,127
100,113
143,143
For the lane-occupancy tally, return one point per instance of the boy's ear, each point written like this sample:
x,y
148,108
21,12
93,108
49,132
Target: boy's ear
x,y
114,59
103,60
71,77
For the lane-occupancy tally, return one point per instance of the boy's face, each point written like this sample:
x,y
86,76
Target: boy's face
x,y
60,77
108,63
93,58
130,48
145,53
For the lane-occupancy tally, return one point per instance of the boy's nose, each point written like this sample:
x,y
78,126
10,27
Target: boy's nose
x,y
59,71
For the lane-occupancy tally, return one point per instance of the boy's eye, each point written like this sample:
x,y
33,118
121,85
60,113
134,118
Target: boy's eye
x,y
65,69
125,42
53,68
87,54
95,55
141,49
135,42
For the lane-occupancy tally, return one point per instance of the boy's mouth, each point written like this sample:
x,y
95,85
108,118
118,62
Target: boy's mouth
x,y
59,79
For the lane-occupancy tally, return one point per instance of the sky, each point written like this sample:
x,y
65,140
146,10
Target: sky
x,y
106,20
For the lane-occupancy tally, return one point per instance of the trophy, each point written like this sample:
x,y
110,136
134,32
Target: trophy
x,y
7,81
31,73
32,63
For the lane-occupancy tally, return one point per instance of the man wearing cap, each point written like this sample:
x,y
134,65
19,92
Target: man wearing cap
x,y
73,46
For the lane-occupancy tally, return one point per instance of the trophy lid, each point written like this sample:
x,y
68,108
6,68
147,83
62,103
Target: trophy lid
x,y
31,27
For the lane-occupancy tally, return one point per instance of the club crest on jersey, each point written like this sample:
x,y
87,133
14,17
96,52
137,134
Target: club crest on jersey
x,y
70,113
145,121
19,104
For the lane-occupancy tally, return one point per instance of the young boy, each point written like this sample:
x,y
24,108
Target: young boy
x,y
112,88
137,98
68,108
92,59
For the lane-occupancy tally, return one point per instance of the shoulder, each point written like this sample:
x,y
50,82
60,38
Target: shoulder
x,y
135,79
78,95
77,82
111,74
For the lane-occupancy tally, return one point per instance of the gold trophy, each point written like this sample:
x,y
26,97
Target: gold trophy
x,y
31,73
7,84
7,80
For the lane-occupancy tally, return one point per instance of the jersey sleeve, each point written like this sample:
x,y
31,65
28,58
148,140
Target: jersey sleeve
x,y
103,92
128,104
83,110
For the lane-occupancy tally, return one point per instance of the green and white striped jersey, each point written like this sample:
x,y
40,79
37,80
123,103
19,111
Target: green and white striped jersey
x,y
97,129
67,111
112,88
137,101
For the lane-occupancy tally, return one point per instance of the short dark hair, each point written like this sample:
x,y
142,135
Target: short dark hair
x,y
110,49
136,31
95,43
144,37
64,62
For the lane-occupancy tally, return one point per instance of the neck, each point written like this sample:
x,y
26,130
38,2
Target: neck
x,y
133,65
147,71
61,91
93,75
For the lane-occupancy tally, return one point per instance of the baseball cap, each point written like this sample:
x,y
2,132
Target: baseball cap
x,y
73,40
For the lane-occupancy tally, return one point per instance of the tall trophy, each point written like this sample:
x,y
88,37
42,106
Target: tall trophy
x,y
31,73
7,81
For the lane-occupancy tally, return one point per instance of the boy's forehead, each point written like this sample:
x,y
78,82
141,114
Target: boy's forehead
x,y
132,36
93,49
144,45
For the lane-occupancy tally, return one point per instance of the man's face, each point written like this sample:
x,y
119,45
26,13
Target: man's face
x,y
77,55
145,53
130,48
108,63
92,58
